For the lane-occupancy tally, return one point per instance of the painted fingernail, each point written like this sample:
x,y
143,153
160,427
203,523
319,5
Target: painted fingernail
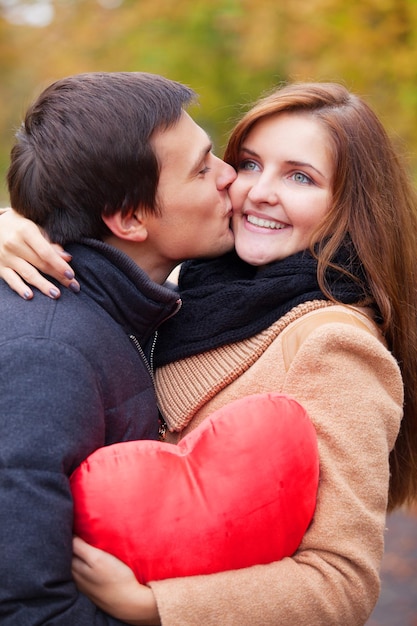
x,y
69,274
54,293
27,295
75,287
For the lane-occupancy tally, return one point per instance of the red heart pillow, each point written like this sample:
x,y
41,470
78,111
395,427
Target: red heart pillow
x,y
239,490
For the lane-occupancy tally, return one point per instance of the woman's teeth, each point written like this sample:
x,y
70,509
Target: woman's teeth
x,y
258,221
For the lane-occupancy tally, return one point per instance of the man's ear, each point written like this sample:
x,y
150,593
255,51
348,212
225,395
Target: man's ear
x,y
130,227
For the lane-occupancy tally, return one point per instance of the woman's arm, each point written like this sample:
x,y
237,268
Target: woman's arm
x,y
112,586
24,250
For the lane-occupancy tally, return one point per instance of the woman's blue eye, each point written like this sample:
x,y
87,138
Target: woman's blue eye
x,y
248,166
299,177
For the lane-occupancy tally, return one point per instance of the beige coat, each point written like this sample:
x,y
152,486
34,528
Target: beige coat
x,y
334,362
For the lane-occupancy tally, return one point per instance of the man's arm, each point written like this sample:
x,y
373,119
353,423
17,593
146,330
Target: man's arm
x,y
51,417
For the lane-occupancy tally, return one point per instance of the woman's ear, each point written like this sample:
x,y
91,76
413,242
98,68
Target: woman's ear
x,y
131,227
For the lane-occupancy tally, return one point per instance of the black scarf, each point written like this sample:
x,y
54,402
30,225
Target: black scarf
x,y
226,300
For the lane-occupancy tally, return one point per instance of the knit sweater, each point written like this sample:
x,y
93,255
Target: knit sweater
x,y
334,361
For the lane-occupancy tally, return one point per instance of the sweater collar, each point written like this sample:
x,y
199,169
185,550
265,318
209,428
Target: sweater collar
x,y
122,288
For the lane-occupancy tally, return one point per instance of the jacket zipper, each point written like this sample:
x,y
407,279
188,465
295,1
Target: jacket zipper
x,y
162,425
149,364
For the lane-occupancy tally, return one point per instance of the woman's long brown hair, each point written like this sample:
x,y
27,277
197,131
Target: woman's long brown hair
x,y
374,204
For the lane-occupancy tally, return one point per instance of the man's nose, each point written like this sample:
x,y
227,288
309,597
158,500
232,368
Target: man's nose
x,y
227,175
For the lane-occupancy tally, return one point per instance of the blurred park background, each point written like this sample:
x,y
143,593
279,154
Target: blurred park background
x,y
230,52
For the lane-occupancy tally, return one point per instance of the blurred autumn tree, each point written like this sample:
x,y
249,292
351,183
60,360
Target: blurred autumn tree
x,y
230,51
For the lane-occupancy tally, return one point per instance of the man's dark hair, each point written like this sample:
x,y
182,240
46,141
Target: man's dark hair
x,y
84,150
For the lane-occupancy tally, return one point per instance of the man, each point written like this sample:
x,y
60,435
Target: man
x,y
111,166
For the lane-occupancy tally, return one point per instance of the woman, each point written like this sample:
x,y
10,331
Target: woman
x,y
321,306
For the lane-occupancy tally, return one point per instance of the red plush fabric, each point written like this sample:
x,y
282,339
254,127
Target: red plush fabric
x,y
240,489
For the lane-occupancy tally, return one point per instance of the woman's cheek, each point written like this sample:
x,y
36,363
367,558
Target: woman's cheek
x,y
238,192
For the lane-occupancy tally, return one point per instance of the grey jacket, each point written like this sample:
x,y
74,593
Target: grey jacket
x,y
72,379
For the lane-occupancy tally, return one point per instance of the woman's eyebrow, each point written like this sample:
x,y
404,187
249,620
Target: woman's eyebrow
x,y
249,151
304,164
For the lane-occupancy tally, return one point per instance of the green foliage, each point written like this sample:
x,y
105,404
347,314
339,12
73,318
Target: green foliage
x,y
230,51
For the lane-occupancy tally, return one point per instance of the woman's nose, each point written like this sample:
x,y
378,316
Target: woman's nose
x,y
265,191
